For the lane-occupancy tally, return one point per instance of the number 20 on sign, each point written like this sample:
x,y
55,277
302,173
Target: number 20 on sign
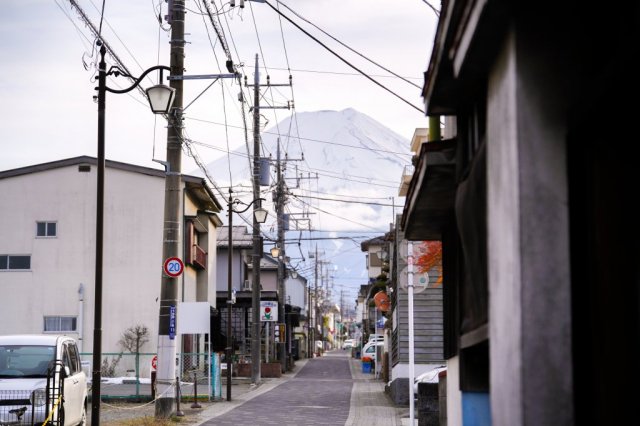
x,y
173,267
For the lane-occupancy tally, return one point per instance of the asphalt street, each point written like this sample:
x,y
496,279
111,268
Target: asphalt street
x,y
318,395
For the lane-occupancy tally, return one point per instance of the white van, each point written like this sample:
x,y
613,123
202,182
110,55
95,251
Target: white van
x,y
27,364
375,338
370,350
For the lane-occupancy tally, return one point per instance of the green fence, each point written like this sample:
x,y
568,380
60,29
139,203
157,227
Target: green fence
x,y
129,375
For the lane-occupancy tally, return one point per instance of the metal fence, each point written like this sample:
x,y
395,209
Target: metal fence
x,y
15,408
129,375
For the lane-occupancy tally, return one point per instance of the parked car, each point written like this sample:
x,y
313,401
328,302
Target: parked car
x,y
33,370
348,344
376,338
430,376
369,350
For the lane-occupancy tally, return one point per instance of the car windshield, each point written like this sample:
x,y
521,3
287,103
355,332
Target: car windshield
x,y
24,361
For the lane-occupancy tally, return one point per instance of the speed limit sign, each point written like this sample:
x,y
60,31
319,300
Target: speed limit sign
x,y
173,267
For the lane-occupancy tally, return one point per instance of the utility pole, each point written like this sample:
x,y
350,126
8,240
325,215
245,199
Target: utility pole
x,y
323,285
309,327
281,256
166,374
315,291
257,241
256,356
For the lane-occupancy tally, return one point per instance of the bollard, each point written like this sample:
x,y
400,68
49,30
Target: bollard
x,y
195,390
153,385
179,412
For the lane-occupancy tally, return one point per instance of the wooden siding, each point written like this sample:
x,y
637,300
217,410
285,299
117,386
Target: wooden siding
x,y
428,322
428,326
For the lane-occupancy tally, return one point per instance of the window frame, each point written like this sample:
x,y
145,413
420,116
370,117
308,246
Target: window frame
x,y
60,318
47,224
5,266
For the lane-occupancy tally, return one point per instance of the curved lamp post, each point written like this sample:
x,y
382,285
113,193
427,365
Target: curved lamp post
x,y
261,216
160,98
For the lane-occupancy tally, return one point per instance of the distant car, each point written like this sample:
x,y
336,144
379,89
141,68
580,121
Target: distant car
x,y
33,370
430,376
348,344
376,338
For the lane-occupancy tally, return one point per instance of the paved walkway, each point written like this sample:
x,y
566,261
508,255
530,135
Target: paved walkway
x,y
329,390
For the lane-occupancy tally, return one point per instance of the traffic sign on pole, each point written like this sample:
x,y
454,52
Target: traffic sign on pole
x,y
173,267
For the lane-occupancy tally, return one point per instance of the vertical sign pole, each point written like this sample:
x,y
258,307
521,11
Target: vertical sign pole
x,y
411,337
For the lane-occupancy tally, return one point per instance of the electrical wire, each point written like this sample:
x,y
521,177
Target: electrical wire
x,y
384,151
344,45
436,11
343,73
332,214
344,60
344,201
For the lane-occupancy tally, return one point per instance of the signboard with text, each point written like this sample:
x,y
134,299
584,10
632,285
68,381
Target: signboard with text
x,y
172,322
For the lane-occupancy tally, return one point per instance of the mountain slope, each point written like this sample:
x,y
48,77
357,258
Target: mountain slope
x,y
350,152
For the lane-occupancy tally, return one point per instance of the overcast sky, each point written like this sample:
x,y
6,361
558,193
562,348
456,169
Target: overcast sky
x,y
48,71
48,113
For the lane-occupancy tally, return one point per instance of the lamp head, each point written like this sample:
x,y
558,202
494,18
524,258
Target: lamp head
x,y
261,214
161,98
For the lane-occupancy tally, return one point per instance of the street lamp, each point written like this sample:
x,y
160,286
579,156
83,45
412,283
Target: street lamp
x,y
260,215
160,99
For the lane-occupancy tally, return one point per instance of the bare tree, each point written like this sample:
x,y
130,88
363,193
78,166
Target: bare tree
x,y
134,338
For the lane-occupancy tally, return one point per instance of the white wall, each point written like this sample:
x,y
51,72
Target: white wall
x,y
132,265
296,292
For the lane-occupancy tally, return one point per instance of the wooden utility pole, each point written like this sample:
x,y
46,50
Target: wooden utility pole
x,y
282,299
315,310
166,374
256,357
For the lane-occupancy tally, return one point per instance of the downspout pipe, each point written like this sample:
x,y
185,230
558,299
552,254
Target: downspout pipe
x,y
81,317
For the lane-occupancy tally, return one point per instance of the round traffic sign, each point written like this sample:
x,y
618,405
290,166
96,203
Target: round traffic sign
x,y
154,363
173,266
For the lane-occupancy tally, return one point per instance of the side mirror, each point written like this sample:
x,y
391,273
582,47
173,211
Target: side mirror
x,y
67,371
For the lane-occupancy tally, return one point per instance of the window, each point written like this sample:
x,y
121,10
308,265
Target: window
x,y
46,229
60,323
70,358
10,262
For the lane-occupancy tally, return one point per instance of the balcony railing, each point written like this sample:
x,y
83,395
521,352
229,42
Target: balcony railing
x,y
198,257
407,175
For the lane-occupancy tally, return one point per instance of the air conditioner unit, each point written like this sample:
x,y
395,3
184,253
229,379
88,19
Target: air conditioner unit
x,y
246,286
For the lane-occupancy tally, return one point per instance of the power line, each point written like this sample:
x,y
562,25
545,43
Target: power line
x,y
308,139
436,11
344,60
341,73
345,201
348,47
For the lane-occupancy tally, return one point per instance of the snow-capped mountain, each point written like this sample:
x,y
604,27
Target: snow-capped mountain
x,y
356,159
353,156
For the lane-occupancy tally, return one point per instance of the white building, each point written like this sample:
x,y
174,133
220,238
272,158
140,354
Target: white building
x,y
48,249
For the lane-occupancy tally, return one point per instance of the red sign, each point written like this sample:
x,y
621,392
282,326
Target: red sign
x,y
173,267
154,363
